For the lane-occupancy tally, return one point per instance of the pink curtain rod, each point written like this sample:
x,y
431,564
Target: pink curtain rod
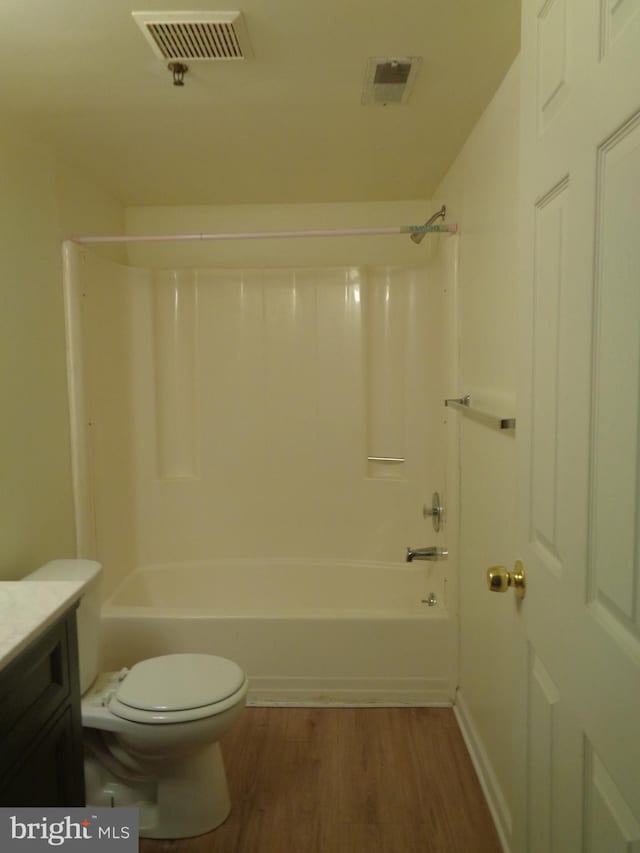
x,y
266,235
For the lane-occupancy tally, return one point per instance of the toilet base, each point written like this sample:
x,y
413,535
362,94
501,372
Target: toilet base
x,y
178,798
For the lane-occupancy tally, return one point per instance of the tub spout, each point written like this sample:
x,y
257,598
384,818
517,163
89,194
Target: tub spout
x,y
431,553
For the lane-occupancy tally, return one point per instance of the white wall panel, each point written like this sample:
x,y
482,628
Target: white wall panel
x,y
552,60
615,499
548,278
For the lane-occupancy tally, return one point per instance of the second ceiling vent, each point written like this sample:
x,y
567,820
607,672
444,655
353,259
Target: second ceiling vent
x,y
195,35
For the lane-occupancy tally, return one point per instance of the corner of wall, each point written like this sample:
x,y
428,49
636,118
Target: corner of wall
x,y
40,204
481,194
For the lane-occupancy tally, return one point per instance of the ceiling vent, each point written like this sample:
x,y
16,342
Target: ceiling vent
x,y
195,35
390,80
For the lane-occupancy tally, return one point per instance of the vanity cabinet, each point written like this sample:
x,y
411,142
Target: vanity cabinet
x,y
41,760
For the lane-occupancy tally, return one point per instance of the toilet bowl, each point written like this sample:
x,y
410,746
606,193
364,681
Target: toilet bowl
x,y
151,733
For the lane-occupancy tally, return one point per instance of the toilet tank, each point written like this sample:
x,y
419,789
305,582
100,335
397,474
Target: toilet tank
x,y
88,612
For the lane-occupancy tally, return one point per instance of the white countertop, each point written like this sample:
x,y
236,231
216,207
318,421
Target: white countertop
x,y
27,608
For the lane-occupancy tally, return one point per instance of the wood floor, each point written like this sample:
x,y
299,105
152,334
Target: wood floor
x,y
379,780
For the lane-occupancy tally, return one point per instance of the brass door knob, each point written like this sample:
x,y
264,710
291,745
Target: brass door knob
x,y
500,579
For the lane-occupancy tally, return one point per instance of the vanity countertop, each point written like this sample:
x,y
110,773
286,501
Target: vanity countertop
x,y
27,608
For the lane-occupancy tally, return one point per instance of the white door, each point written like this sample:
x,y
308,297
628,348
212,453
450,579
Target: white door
x,y
577,726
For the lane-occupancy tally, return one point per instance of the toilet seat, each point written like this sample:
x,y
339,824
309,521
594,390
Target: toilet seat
x,y
178,688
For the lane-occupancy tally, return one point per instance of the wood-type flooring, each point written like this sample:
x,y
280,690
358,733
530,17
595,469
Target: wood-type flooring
x,y
347,780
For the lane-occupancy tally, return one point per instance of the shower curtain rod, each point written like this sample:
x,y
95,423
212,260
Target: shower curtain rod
x,y
266,235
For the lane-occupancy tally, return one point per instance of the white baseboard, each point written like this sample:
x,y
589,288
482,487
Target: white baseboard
x,y
488,780
348,692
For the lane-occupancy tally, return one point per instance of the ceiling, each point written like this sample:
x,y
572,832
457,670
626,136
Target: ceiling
x,y
286,125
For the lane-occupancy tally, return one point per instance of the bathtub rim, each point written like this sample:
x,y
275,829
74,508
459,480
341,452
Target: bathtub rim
x,y
111,606
150,611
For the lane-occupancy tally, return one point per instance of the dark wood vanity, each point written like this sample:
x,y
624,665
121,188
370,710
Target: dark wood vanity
x,y
41,760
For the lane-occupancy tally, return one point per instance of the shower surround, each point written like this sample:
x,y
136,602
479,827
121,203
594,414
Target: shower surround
x,y
253,418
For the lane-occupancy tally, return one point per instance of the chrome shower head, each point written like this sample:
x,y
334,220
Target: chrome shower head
x,y
418,236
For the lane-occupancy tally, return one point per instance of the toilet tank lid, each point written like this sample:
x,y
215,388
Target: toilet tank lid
x,y
179,682
66,570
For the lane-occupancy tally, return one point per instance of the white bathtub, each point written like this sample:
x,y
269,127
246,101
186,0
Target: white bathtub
x,y
314,633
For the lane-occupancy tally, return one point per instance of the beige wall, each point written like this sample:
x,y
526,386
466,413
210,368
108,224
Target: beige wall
x,y
480,191
40,203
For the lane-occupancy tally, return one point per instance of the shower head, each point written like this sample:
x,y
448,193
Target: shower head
x,y
418,236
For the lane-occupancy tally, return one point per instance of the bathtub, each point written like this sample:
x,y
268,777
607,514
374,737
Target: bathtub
x,y
305,632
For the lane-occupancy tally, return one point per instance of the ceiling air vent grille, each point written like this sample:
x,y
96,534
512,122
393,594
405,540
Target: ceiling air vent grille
x,y
390,80
195,35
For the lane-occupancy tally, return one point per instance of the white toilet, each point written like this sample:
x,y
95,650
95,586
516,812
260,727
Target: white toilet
x,y
151,732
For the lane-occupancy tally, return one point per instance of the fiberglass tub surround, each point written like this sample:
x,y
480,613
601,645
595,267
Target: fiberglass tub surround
x,y
252,450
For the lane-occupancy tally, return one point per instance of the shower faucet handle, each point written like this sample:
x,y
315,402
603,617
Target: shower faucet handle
x,y
434,512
